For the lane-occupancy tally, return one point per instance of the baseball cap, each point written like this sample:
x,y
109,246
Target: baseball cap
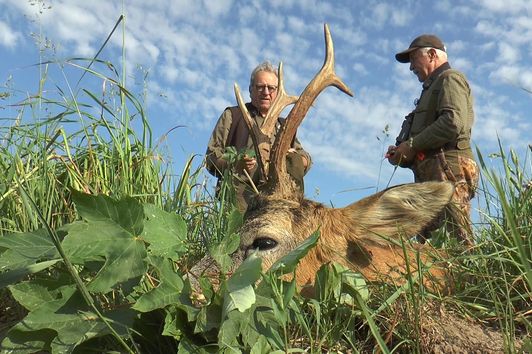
x,y
425,40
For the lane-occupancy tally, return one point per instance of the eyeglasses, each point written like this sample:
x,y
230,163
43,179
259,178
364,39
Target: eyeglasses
x,y
262,88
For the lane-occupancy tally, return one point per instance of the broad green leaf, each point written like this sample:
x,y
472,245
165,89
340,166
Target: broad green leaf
x,y
15,275
165,232
20,341
221,252
236,219
168,292
209,317
174,322
10,259
33,293
246,274
353,282
288,263
124,253
229,333
127,212
265,323
25,248
68,316
240,299
240,294
110,232
120,266
261,346
186,346
185,303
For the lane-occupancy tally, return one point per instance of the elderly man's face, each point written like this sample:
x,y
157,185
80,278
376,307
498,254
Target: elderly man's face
x,y
421,64
264,91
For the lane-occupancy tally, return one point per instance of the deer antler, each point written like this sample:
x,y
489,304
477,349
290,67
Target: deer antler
x,y
261,137
324,78
281,101
258,138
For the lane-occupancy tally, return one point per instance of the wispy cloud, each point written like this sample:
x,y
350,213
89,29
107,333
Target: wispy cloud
x,y
8,36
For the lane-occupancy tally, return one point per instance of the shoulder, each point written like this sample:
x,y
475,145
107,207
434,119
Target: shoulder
x,y
453,78
225,120
230,111
453,74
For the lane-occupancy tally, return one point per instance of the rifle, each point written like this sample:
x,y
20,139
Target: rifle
x,y
404,134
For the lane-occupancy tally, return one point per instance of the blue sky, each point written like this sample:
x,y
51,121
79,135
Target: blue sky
x,y
191,52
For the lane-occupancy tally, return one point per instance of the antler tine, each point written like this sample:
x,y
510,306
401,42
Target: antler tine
x,y
324,78
254,131
279,103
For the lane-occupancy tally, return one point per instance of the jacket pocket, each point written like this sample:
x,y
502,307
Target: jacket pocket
x,y
419,122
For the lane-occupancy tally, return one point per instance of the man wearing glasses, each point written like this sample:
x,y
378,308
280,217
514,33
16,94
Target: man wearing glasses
x,y
231,130
435,138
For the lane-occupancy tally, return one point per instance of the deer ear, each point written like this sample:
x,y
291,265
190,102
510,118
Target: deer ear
x,y
401,210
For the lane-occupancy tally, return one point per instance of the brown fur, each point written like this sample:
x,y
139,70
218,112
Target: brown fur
x,y
365,236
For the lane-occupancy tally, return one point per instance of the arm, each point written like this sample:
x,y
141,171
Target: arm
x,y
298,149
453,113
216,165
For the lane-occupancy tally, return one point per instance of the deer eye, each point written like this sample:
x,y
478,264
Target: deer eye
x,y
263,244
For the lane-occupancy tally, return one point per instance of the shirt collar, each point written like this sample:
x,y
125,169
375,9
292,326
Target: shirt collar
x,y
435,74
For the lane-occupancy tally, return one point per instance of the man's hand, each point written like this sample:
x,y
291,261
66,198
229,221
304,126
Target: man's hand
x,y
389,154
402,155
246,163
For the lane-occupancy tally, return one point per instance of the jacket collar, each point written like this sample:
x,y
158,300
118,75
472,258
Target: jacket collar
x,y
253,111
435,74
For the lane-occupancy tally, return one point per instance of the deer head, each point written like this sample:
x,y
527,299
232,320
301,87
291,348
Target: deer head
x,y
364,235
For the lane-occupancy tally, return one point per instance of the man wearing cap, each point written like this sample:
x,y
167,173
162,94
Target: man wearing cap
x,y
435,137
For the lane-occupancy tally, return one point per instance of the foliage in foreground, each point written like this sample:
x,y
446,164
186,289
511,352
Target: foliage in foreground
x,y
115,280
94,283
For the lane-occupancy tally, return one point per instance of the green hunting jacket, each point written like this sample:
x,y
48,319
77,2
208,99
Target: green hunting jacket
x,y
443,119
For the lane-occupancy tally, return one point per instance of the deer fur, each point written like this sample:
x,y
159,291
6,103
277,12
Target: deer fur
x,y
360,236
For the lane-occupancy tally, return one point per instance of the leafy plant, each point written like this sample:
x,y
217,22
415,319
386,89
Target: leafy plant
x,y
113,249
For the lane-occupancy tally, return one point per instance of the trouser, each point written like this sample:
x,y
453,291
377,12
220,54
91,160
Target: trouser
x,y
456,217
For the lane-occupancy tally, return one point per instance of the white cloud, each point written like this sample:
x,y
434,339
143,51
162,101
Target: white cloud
x,y
514,75
463,64
507,6
8,36
337,160
494,123
218,7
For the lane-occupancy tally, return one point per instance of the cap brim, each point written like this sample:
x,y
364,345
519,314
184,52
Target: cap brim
x,y
404,56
